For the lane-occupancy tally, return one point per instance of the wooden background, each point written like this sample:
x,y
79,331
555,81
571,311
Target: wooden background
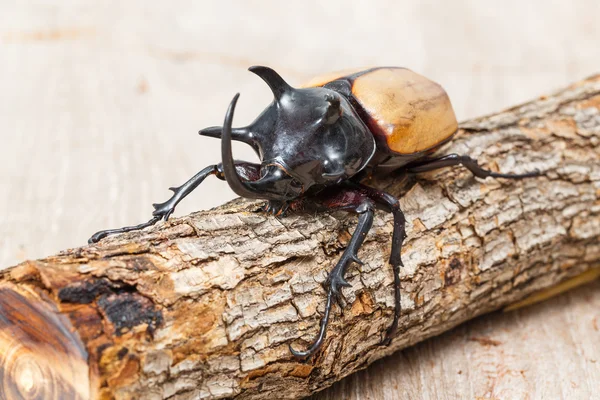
x,y
100,104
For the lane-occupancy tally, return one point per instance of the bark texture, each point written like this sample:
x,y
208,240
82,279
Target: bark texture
x,y
205,306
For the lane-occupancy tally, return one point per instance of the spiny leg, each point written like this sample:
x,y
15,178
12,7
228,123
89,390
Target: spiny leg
x,y
391,204
353,201
244,169
96,237
322,332
431,164
164,210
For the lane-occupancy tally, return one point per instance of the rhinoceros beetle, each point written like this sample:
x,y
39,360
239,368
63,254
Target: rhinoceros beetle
x,y
317,142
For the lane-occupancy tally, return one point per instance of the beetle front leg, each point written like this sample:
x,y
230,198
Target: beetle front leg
x,y
352,201
164,210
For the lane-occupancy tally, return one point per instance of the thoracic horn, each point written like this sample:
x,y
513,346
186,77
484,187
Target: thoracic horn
x,y
239,134
273,79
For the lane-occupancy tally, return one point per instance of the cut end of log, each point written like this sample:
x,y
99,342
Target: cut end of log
x,y
40,356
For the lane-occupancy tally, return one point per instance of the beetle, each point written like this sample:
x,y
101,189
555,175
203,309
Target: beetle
x,y
318,142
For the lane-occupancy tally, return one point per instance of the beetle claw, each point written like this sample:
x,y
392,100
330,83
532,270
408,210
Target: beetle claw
x,y
164,210
283,210
334,284
357,260
276,208
339,298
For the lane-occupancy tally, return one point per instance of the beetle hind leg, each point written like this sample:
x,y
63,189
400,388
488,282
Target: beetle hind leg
x,y
430,164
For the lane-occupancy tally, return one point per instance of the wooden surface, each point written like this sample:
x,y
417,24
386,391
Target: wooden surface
x,y
206,305
100,107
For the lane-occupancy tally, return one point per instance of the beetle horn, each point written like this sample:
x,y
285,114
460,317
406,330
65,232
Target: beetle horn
x,y
235,183
273,79
238,134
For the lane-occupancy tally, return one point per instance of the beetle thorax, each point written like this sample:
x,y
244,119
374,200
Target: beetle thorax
x,y
306,139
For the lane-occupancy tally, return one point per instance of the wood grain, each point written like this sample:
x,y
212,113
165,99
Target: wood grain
x,y
41,355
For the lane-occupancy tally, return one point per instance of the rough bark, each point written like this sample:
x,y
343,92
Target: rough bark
x,y
206,305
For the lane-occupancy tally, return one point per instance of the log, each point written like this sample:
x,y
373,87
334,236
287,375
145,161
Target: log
x,y
205,306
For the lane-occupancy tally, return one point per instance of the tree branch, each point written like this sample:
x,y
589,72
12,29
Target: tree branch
x,y
206,305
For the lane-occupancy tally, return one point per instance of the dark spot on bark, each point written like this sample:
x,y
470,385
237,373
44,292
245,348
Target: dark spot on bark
x,y
452,274
139,264
455,263
84,292
122,353
100,349
127,310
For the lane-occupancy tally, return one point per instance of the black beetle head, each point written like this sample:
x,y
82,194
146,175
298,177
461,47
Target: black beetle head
x,y
306,138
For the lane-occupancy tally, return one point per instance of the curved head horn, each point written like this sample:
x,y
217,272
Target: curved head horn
x,y
241,188
231,176
273,79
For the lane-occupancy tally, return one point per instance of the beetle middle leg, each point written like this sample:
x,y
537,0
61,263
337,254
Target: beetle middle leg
x,y
353,201
361,200
430,164
391,204
164,210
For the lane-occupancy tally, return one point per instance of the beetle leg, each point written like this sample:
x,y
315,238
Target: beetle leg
x,y
96,237
391,204
276,207
431,164
165,209
246,170
352,201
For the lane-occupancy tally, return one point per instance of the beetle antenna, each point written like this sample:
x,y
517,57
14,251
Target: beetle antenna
x,y
278,86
